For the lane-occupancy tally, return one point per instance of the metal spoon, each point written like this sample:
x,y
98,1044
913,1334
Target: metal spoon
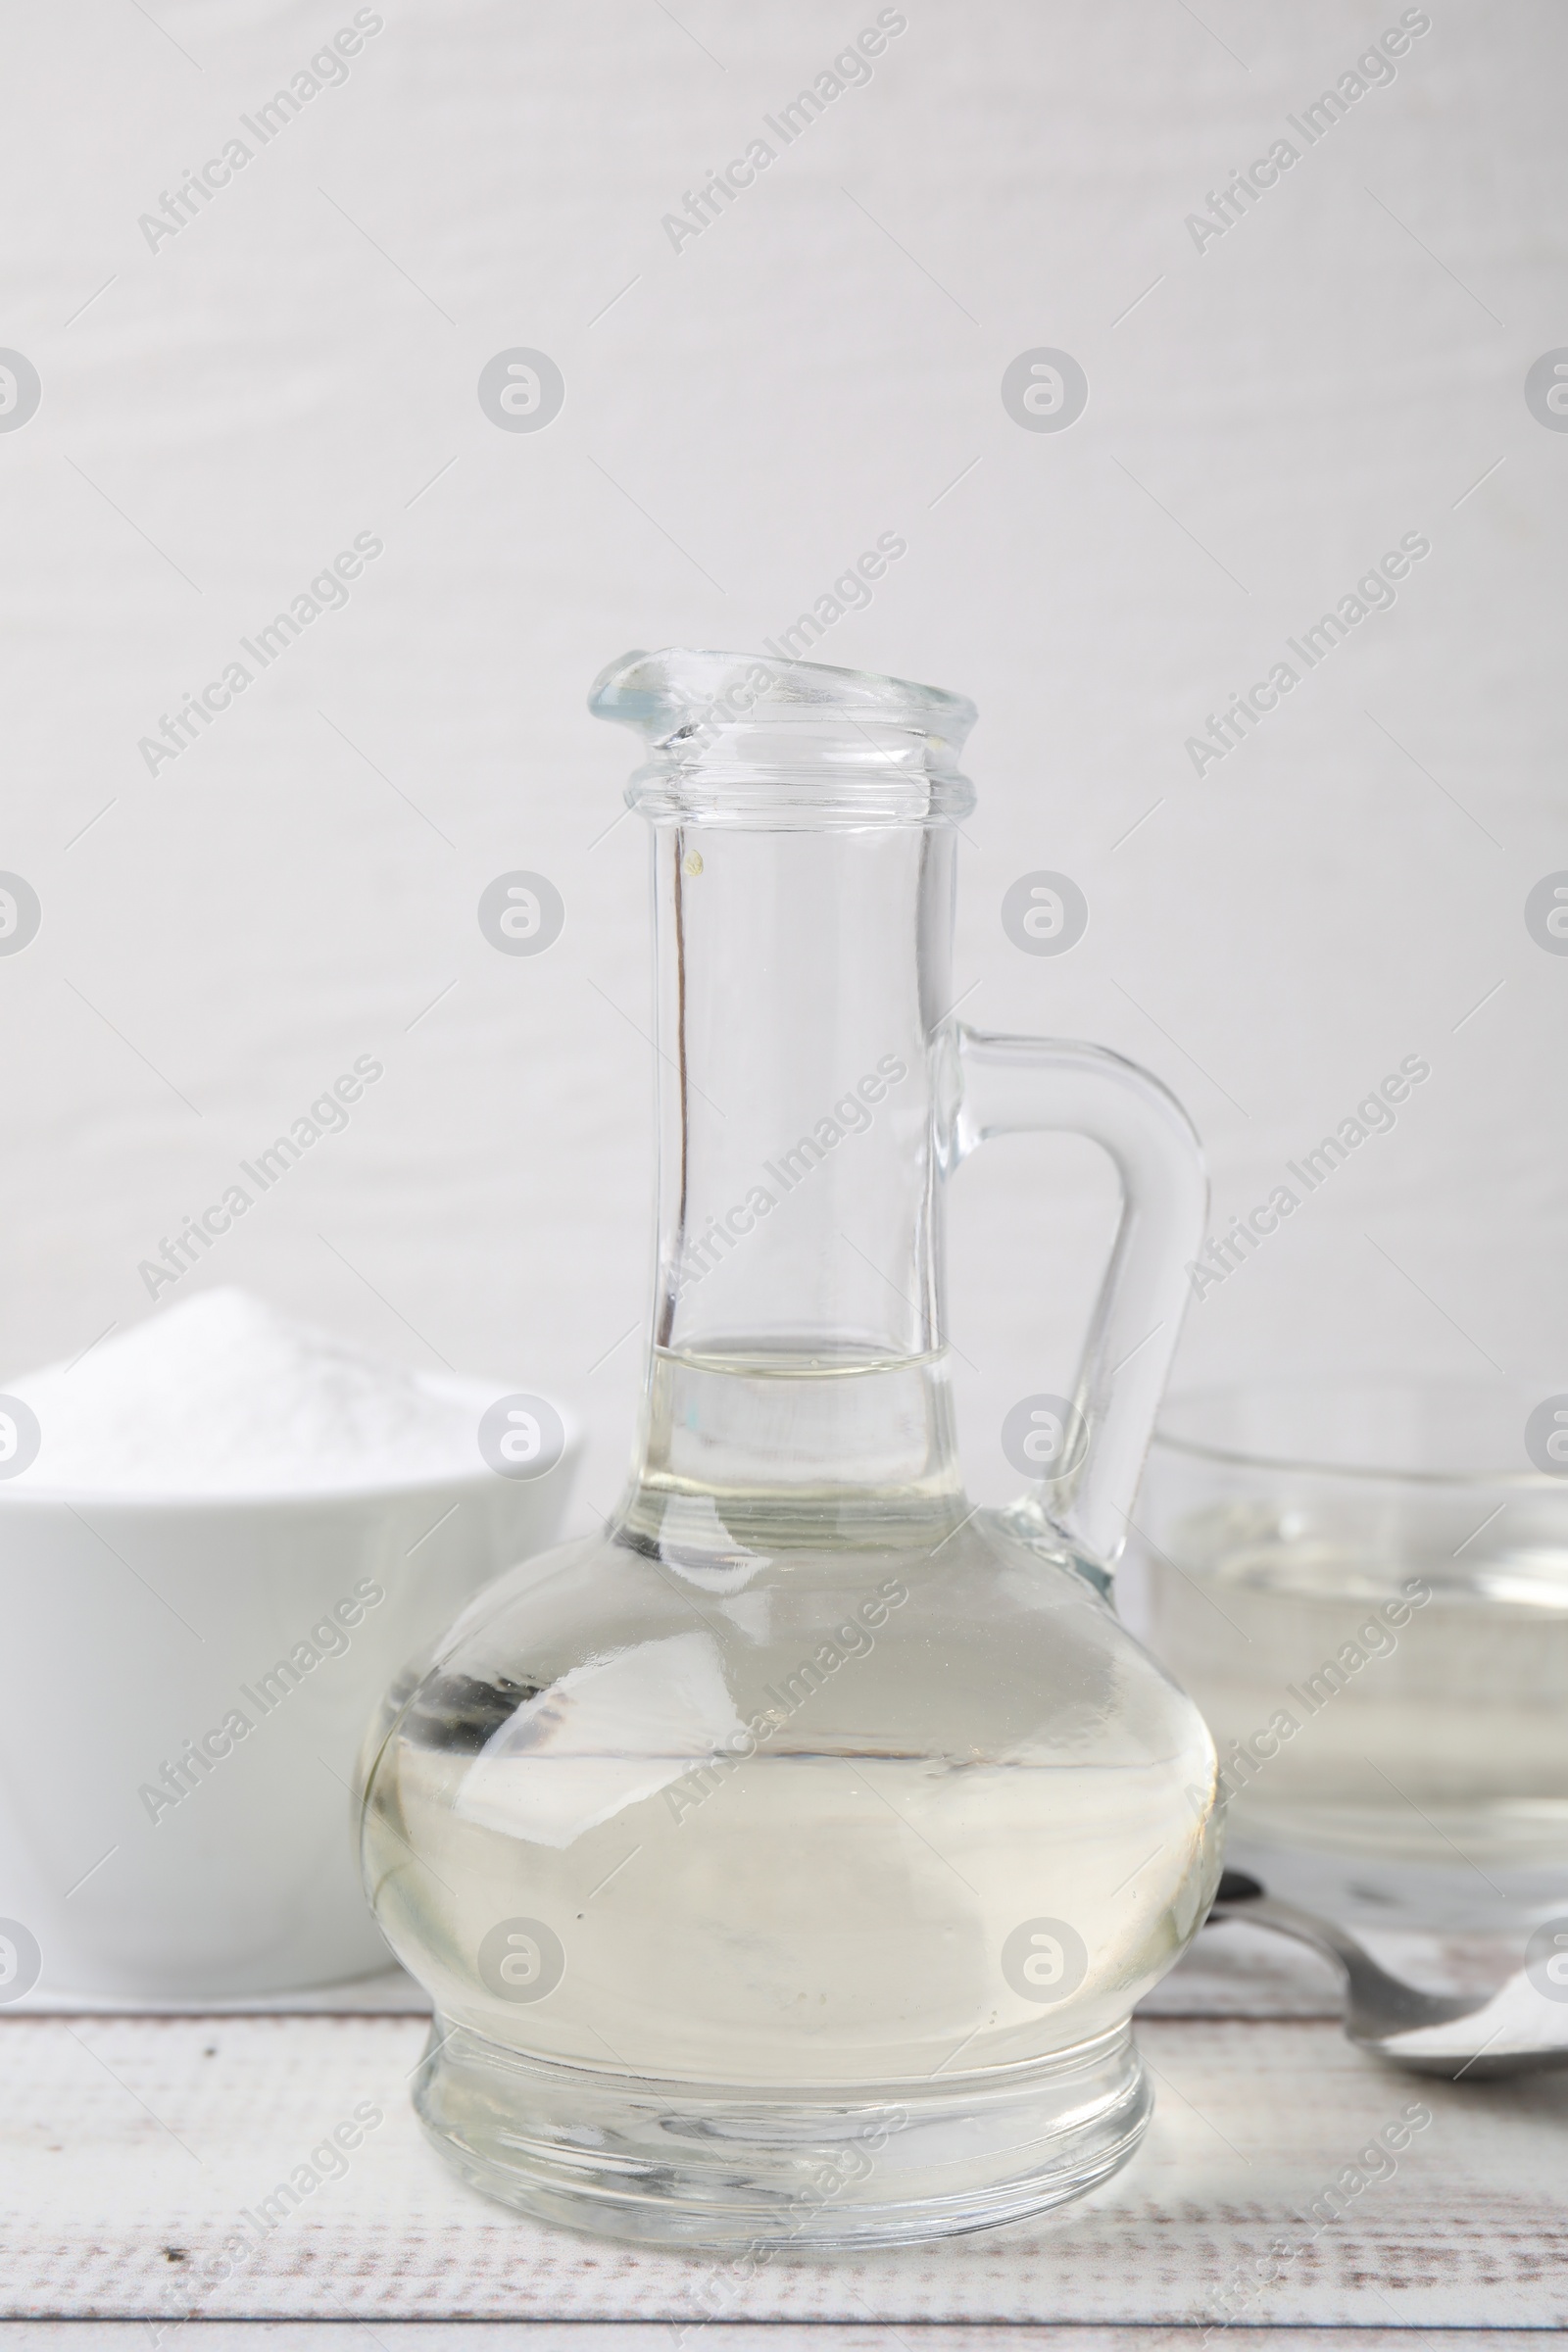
x,y
1506,2033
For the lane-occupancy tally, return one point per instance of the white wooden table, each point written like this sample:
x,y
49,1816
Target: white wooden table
x,y
131,2146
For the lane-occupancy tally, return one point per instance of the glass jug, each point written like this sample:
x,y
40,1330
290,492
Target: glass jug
x,y
785,1861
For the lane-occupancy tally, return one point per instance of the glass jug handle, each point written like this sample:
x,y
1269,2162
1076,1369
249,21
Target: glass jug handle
x,y
1028,1085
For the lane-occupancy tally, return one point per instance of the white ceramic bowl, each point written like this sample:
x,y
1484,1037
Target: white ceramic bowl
x,y
141,1634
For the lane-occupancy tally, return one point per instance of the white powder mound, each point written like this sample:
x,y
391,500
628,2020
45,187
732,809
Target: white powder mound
x,y
221,1395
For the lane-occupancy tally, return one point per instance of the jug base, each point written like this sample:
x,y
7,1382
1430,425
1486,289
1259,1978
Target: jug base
x,y
755,2173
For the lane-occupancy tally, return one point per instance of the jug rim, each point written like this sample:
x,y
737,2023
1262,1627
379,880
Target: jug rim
x,y
682,692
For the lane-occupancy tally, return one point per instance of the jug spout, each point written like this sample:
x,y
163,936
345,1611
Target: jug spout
x,y
678,687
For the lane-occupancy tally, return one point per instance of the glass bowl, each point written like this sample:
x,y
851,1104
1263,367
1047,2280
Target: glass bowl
x,y
1364,1585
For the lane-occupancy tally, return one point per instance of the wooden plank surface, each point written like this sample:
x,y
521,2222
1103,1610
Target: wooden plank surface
x,y
642,2335
636,2335
132,2145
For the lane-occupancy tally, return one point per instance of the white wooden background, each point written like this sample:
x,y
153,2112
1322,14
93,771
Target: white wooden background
x,y
131,2143
823,364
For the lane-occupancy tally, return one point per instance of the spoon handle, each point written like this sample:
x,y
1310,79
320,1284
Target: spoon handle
x,y
1379,2004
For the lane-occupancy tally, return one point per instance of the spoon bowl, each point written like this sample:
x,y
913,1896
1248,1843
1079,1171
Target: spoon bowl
x,y
1513,2030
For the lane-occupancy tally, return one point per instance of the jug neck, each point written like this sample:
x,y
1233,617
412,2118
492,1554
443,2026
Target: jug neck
x,y
802,841
797,1342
